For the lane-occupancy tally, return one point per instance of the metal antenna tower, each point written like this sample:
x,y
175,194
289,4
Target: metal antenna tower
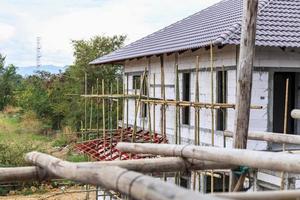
x,y
38,52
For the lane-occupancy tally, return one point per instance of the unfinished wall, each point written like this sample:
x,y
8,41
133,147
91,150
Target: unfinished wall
x,y
225,57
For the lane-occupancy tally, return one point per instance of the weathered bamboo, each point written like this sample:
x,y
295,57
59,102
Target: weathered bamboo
x,y
127,101
154,117
244,78
85,102
138,104
212,111
197,114
270,137
240,157
283,184
274,195
177,110
168,164
133,184
163,96
24,174
295,114
103,112
91,111
148,97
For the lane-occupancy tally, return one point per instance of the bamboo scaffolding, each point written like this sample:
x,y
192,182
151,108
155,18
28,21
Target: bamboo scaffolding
x,y
270,137
240,157
103,113
154,123
133,184
171,102
168,164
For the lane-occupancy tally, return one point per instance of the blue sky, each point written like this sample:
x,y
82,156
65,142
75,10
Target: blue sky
x,y
58,22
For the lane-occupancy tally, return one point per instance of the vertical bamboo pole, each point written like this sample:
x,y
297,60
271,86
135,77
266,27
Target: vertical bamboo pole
x,y
148,97
177,110
244,78
154,124
97,109
103,113
91,110
176,99
123,113
212,111
143,105
118,110
111,102
163,96
196,137
127,101
138,104
285,126
85,102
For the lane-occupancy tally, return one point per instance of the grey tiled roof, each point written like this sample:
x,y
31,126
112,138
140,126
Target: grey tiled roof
x,y
278,25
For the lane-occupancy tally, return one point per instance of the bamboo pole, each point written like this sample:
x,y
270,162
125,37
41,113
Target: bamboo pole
x,y
103,113
118,109
197,114
148,97
85,102
270,137
212,112
295,114
285,126
163,96
154,165
262,195
239,157
91,111
136,185
127,101
154,123
138,104
177,98
97,116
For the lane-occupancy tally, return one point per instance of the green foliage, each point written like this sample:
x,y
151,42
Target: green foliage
x,y
77,158
55,98
9,80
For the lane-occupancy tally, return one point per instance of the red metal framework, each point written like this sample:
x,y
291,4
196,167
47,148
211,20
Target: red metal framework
x,y
105,149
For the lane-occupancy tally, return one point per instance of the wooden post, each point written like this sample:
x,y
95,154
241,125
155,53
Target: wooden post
x,y
103,113
244,79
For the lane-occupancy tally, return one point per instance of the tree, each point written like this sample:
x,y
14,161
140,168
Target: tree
x,y
9,81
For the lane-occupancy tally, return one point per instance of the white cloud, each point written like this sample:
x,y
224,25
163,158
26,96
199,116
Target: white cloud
x,y
60,22
6,32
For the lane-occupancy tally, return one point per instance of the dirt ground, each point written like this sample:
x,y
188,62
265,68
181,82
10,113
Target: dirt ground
x,y
71,194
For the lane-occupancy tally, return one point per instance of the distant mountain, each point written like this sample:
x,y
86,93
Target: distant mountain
x,y
30,70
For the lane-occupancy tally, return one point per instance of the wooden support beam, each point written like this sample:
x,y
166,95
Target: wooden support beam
x,y
240,157
270,137
244,78
133,184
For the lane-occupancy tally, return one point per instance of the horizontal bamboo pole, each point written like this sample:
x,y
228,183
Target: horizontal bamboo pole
x,y
295,114
24,174
168,164
270,137
152,100
133,184
241,157
272,195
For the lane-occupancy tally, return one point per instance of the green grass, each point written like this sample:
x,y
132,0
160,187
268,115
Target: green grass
x,y
16,141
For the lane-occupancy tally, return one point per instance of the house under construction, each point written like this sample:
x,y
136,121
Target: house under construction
x,y
181,80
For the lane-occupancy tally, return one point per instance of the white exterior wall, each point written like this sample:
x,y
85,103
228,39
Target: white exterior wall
x,y
222,57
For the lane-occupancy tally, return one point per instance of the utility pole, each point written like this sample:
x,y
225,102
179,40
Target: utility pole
x,y
244,83
38,52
